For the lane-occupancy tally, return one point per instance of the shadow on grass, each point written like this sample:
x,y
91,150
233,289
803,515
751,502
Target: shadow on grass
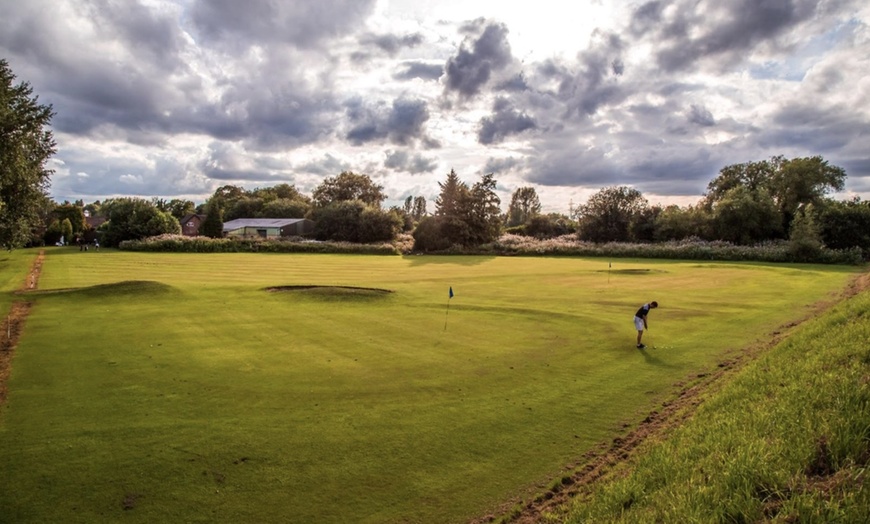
x,y
652,359
126,288
459,260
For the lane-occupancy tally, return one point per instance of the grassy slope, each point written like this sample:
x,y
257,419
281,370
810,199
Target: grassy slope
x,y
788,439
196,396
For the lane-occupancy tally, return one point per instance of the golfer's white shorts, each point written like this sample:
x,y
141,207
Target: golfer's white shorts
x,y
638,323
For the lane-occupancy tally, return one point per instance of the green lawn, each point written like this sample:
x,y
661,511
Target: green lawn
x,y
174,388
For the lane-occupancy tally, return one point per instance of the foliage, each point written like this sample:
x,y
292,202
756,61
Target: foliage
x,y
464,216
804,242
354,221
428,234
76,216
185,244
524,206
845,224
609,214
687,249
452,190
348,186
789,183
133,219
281,201
66,229
746,216
548,226
285,208
26,144
213,224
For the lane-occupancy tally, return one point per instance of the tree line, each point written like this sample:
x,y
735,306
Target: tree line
x,y
748,203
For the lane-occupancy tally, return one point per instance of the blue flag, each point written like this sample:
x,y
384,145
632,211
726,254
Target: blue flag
x,y
451,291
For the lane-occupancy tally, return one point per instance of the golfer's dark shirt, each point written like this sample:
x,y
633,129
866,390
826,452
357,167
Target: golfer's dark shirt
x,y
642,312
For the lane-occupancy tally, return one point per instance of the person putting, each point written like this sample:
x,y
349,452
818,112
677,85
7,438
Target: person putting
x,y
640,321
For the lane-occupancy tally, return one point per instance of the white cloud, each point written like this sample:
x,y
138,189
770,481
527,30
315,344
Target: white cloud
x,y
173,98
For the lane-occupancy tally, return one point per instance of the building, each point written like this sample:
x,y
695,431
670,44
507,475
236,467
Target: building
x,y
190,224
268,227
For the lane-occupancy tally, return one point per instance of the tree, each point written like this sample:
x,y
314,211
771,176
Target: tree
x,y
66,229
744,216
803,181
74,214
180,207
843,225
134,219
285,208
354,221
243,207
804,239
790,183
608,215
524,205
419,209
25,146
348,186
213,225
464,216
481,213
452,190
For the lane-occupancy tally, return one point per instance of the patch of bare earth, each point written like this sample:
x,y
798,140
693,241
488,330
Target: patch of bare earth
x,y
13,324
580,478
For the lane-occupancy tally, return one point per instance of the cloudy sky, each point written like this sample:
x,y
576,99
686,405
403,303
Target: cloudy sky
x,y
174,98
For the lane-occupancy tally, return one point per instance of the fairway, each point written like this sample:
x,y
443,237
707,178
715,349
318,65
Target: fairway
x,y
178,388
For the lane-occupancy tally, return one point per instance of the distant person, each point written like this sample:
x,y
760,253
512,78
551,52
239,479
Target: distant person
x,y
640,321
96,244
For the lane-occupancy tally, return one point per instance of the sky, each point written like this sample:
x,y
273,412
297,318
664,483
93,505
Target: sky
x,y
175,98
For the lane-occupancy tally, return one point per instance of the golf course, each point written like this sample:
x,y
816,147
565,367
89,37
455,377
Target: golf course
x,y
250,387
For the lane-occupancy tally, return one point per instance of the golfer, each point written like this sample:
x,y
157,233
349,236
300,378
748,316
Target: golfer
x,y
640,321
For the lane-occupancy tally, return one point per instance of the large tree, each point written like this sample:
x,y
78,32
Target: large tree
x,y
789,183
524,205
134,219
464,216
609,214
26,144
348,186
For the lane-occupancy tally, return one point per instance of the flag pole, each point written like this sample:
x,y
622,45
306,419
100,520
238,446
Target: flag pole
x,y
450,295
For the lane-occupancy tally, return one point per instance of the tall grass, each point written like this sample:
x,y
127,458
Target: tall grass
x,y
787,440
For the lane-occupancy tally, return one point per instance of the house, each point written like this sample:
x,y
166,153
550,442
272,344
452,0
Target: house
x,y
190,224
268,227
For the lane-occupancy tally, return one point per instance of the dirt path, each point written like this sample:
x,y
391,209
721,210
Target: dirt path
x,y
580,478
13,324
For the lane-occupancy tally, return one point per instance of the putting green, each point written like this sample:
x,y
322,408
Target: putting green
x,y
177,387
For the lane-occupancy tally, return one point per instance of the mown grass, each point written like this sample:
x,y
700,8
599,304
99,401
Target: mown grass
x,y
153,387
787,440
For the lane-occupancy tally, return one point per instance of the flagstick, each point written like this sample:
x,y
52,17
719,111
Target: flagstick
x,y
447,313
608,272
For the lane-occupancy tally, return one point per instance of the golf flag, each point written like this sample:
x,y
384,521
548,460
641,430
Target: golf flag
x,y
451,292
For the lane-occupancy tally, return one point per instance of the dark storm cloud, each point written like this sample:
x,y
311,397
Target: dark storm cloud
x,y
391,44
401,124
302,24
422,70
478,58
701,116
505,121
593,80
503,165
403,161
326,166
687,33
